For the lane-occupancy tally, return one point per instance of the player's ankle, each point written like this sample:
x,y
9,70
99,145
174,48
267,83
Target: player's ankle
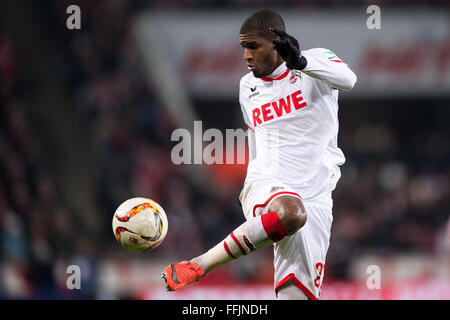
x,y
199,260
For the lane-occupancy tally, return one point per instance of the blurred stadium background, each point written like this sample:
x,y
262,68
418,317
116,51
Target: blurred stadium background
x,y
86,118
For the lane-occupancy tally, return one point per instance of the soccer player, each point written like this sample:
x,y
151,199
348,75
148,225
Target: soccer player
x,y
289,101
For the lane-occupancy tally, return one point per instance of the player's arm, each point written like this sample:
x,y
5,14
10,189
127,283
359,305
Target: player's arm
x,y
318,63
251,131
251,145
326,66
251,140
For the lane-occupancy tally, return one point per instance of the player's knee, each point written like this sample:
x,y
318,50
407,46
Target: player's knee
x,y
291,212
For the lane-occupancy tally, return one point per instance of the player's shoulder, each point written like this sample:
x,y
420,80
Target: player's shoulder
x,y
247,81
317,51
321,53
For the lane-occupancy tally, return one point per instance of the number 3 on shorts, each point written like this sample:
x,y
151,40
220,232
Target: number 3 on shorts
x,y
319,269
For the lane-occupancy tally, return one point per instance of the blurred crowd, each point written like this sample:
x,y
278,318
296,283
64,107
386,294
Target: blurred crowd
x,y
394,195
307,4
34,225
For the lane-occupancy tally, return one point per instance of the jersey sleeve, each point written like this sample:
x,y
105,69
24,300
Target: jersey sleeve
x,y
251,145
242,101
246,119
251,131
323,64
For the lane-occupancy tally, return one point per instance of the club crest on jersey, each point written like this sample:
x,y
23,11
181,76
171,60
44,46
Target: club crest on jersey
x,y
293,78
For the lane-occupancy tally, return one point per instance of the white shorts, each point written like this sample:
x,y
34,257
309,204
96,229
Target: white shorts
x,y
301,256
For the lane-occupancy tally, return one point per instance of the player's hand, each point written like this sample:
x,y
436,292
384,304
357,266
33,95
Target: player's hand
x,y
289,49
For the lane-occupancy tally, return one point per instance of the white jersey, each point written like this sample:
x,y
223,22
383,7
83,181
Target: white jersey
x,y
293,120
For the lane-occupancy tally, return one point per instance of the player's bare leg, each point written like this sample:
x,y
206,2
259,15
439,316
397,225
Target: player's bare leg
x,y
289,291
286,215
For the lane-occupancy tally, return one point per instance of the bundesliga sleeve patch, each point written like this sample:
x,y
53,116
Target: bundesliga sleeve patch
x,y
332,57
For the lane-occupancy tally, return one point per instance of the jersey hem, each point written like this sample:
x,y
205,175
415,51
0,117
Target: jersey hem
x,y
299,285
262,205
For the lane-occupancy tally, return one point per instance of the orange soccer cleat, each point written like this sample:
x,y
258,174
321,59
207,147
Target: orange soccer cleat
x,y
181,274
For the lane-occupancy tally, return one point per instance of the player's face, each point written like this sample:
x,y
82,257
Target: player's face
x,y
259,54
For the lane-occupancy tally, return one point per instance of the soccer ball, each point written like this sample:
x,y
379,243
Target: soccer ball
x,y
140,224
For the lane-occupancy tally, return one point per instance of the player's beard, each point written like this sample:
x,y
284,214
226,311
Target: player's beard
x,y
268,66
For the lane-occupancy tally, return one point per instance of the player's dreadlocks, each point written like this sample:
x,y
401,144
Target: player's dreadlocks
x,y
261,21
